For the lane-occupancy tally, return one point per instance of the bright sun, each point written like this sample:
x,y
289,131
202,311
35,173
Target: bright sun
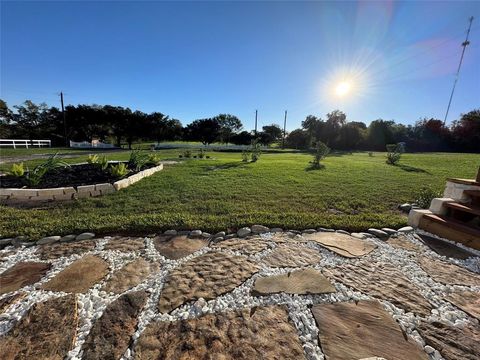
x,y
343,88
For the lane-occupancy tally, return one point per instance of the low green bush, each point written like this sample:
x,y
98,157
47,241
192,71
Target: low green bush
x,y
119,170
138,159
321,150
425,196
92,159
394,153
34,177
17,170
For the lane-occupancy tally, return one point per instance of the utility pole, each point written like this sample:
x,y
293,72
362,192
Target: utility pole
x,y
284,129
64,121
464,44
256,114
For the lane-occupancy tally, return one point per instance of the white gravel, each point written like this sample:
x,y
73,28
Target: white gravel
x,y
92,303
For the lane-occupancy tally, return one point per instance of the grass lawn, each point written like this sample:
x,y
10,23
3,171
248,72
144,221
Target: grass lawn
x,y
353,192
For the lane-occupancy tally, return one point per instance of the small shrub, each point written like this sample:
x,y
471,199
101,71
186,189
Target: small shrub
x,y
187,154
119,170
394,153
245,155
425,196
370,154
153,159
256,151
194,156
208,156
17,170
321,150
180,156
92,159
34,177
201,153
137,160
103,163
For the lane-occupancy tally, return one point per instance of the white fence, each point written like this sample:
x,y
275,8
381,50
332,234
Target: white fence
x,y
90,145
201,146
24,143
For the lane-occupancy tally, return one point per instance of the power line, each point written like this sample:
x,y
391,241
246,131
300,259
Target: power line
x,y
464,44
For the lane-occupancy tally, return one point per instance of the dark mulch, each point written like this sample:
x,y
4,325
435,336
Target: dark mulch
x,y
75,175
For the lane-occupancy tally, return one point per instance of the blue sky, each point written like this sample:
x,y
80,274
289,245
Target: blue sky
x,y
196,59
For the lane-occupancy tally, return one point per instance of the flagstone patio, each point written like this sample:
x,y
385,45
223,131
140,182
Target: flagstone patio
x,y
321,295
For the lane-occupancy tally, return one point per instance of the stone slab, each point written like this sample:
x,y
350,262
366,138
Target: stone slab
x,y
110,335
402,242
54,251
125,244
468,301
47,331
10,300
448,273
355,331
444,248
382,281
292,255
22,274
344,245
130,275
79,276
301,282
206,276
177,247
453,343
260,333
244,246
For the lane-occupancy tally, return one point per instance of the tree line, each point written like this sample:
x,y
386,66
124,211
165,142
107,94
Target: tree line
x,y
122,125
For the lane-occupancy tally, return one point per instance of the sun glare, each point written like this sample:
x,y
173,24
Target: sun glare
x,y
342,88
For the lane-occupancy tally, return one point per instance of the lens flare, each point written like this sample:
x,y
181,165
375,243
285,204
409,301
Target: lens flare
x,y
343,88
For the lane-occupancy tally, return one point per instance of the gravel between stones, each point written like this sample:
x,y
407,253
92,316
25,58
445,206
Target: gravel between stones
x,y
93,302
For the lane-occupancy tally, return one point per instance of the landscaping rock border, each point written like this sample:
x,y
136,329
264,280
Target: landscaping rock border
x,y
69,193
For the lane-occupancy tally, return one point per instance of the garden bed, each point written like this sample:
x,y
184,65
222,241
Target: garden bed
x,y
76,181
75,175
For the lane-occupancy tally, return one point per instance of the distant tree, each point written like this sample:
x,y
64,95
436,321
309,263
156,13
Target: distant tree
x,y
136,127
351,135
5,119
116,117
270,134
313,127
380,134
430,135
242,138
331,130
204,130
28,118
298,139
163,128
229,125
466,131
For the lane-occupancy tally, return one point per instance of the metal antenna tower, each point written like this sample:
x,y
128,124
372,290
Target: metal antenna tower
x,y
464,44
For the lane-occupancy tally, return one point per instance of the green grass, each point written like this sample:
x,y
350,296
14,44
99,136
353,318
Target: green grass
x,y
224,193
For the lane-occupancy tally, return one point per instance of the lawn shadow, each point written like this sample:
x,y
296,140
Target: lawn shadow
x,y
227,166
312,167
412,169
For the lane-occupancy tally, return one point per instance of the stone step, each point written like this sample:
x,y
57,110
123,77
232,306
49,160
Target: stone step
x,y
450,229
473,193
471,209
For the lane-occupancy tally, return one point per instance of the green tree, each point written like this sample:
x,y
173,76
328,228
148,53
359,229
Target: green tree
x,y
204,130
270,134
229,125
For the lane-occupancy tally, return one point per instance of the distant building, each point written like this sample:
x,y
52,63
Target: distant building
x,y
94,144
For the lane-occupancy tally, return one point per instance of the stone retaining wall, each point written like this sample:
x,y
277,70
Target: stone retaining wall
x,y
68,193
